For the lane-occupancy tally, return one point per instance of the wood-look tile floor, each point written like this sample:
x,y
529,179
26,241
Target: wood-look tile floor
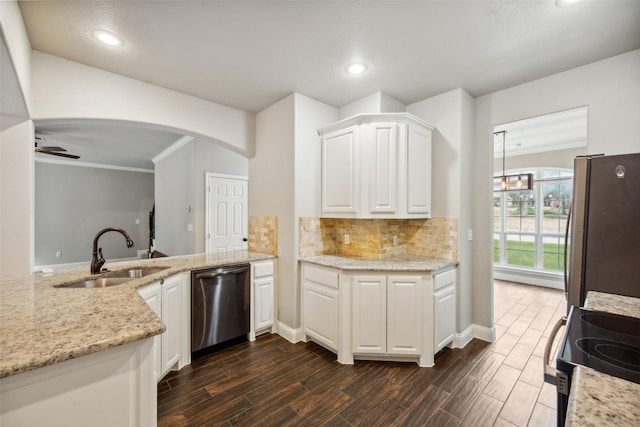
x,y
271,382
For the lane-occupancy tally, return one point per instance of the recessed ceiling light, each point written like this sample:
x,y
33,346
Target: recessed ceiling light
x,y
564,3
107,38
356,68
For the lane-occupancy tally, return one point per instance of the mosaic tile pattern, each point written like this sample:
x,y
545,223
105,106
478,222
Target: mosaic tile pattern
x,y
373,238
263,234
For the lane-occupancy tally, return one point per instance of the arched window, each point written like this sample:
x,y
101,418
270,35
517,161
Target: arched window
x,y
529,228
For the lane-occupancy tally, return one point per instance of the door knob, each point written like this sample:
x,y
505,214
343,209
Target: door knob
x,y
244,239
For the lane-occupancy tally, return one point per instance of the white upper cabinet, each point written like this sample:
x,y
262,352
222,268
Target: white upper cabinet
x,y
376,166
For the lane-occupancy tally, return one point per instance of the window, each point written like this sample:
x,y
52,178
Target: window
x,y
529,226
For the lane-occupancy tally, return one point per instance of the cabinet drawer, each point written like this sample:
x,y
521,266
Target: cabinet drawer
x,y
444,279
321,276
263,269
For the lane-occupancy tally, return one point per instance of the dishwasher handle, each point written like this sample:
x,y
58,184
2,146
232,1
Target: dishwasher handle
x,y
550,373
222,272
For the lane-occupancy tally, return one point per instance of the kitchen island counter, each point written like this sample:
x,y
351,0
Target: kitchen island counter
x,y
42,324
598,399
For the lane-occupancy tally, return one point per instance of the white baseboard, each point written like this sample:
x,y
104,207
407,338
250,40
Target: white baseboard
x,y
483,333
463,338
473,331
529,277
289,334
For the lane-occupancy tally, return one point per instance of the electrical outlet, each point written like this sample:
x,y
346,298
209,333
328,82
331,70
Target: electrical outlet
x,y
137,221
58,254
346,239
395,240
469,234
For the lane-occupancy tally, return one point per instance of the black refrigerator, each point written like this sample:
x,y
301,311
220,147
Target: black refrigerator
x,y
604,239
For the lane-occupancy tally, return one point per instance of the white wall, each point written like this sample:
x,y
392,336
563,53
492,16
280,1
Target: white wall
x,y
284,180
16,155
452,115
174,192
64,89
271,192
17,41
16,189
378,102
310,115
611,90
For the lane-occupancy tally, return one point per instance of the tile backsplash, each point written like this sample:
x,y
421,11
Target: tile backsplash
x,y
263,234
374,238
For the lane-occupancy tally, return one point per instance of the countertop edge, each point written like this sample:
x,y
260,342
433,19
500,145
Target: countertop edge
x,y
414,264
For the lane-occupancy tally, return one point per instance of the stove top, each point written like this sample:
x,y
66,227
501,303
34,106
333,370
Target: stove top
x,y
606,342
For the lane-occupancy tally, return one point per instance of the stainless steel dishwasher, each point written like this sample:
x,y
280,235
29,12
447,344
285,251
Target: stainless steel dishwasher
x,y
220,305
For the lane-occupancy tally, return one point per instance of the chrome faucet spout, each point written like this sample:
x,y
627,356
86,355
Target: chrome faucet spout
x,y
97,260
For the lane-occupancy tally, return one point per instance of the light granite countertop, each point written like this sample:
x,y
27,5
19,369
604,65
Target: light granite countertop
x,y
41,324
398,264
598,399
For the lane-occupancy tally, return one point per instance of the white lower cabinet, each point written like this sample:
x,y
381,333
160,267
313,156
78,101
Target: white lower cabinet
x,y
444,308
263,297
165,297
320,305
378,315
404,315
387,315
113,387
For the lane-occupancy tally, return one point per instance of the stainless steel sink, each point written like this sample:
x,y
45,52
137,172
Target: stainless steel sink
x,y
114,278
135,272
100,282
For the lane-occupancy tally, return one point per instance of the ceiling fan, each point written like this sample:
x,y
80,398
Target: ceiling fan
x,y
54,151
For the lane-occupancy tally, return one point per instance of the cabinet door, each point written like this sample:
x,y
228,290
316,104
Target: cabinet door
x,y
172,318
404,315
383,176
418,173
444,301
152,295
321,314
263,302
339,172
369,314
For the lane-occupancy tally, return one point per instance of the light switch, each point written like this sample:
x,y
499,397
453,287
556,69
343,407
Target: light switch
x,y
346,239
469,234
189,227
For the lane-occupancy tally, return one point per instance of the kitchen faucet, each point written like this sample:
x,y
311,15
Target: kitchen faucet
x,y
97,260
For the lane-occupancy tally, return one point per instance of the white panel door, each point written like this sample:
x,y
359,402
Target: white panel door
x,y
321,314
418,170
339,172
227,218
369,314
172,318
404,315
383,180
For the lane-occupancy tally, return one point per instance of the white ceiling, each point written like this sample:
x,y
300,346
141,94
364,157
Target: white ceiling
x,y
250,54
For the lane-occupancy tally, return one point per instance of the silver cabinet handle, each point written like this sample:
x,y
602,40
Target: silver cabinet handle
x,y
550,373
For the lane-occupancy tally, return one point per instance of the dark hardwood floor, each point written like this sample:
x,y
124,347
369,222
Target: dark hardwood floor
x,y
271,382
